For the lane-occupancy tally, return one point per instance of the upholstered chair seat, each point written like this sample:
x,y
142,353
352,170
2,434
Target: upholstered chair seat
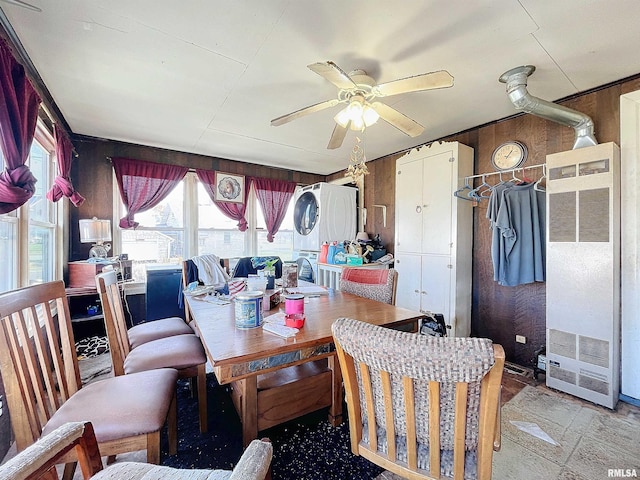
x,y
136,398
163,328
179,351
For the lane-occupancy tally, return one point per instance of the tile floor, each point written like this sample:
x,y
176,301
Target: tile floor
x,y
592,439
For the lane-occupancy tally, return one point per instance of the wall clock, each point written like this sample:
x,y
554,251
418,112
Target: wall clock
x,y
509,155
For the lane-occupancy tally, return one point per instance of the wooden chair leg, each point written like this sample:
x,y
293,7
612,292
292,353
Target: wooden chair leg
x,y
202,398
69,470
153,448
172,426
111,459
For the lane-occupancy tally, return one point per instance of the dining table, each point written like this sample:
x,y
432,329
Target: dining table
x,y
275,379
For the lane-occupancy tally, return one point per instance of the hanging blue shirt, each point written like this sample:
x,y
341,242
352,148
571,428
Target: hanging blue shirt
x,y
521,222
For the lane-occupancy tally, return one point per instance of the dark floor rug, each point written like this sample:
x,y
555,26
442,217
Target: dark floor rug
x,y
308,448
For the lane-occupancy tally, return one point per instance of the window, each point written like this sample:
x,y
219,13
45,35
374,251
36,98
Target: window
x,y
188,223
27,235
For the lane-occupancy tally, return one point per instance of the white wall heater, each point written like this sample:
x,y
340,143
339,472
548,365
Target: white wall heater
x,y
583,273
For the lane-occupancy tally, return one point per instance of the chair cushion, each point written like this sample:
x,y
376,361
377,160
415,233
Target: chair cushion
x,y
375,284
166,327
179,351
145,471
120,407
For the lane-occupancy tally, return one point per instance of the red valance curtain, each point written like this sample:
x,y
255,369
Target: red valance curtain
x,y
274,197
144,184
19,103
62,185
234,211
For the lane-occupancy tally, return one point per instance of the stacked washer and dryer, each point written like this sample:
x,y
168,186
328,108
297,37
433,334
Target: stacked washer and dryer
x,y
323,212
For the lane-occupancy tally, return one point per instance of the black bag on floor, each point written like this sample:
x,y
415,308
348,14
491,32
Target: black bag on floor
x,y
433,325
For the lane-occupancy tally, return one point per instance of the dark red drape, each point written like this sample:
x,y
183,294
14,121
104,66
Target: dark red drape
x,y
234,211
62,185
274,197
19,103
144,184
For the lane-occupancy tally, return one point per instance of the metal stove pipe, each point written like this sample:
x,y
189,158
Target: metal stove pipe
x,y
516,80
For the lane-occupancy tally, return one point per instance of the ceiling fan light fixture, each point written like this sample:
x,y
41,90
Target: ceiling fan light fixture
x,y
359,114
342,117
369,115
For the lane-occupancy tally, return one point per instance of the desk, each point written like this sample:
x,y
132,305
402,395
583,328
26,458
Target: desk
x,y
251,359
329,274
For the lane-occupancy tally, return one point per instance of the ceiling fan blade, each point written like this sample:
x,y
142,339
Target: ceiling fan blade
x,y
330,71
303,111
22,4
397,119
426,81
337,137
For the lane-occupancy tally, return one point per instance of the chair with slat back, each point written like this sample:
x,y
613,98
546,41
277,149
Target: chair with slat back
x,y
41,376
185,352
421,406
376,284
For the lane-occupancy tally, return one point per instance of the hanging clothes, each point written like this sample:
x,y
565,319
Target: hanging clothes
x,y
517,216
497,240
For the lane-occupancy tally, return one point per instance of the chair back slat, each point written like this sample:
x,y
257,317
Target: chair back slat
x,y
370,406
115,323
434,430
350,380
388,415
39,366
459,432
431,404
14,358
489,414
410,415
42,356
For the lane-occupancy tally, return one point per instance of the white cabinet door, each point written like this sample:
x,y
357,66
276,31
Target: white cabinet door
x,y
437,200
436,285
409,205
409,270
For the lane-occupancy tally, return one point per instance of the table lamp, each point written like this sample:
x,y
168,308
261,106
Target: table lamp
x,y
96,231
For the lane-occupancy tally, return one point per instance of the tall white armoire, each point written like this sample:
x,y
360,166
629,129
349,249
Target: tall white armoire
x,y
583,273
434,233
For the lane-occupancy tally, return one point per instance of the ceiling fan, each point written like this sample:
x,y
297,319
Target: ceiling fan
x,y
26,5
359,92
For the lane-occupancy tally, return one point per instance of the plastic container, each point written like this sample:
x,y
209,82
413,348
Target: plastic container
x,y
324,253
331,252
295,320
294,304
248,309
340,256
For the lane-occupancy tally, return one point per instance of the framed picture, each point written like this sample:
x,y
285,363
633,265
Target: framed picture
x,y
229,188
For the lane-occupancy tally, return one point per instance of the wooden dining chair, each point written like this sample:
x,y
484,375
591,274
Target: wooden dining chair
x,y
185,353
39,368
375,284
421,406
38,460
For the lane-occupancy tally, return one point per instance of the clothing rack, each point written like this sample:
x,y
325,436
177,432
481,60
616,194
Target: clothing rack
x,y
501,172
467,192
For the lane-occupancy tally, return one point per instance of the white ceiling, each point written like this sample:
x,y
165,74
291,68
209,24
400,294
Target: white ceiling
x,y
207,76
